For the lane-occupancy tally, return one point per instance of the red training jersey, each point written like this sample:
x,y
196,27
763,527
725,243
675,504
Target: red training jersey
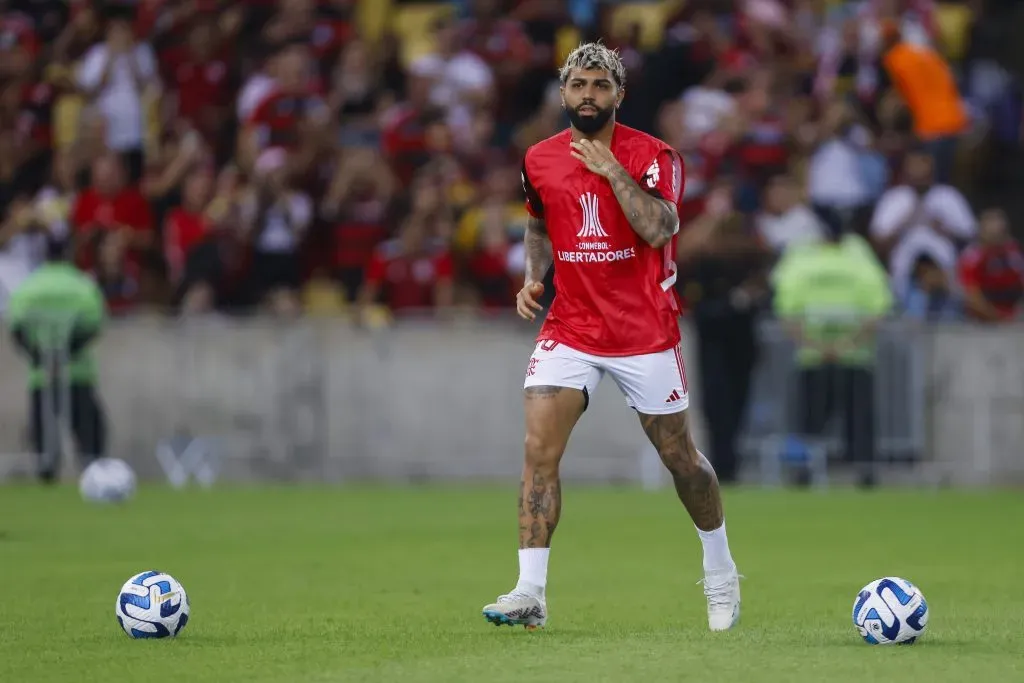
x,y
614,294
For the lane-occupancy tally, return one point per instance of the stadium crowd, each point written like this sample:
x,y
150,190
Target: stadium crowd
x,y
295,155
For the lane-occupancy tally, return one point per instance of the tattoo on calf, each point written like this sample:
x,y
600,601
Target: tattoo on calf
x,y
694,477
540,503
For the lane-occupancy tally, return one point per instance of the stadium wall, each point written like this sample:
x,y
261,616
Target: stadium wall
x,y
320,400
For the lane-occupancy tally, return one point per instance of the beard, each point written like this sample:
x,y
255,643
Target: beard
x,y
591,123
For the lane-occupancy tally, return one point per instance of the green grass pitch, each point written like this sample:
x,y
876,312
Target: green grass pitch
x,y
290,585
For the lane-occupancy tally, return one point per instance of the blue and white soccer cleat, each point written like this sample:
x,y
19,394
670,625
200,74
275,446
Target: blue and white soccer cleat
x,y
517,608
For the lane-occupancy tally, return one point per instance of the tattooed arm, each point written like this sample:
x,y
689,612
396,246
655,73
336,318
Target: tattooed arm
x,y
538,250
538,259
653,219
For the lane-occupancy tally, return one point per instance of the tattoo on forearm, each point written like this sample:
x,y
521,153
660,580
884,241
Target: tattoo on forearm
x,y
538,250
652,218
694,477
540,503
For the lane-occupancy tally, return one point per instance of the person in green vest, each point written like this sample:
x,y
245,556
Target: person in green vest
x,y
53,316
831,296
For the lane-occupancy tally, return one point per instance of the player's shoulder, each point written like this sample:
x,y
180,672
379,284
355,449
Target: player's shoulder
x,y
557,144
638,140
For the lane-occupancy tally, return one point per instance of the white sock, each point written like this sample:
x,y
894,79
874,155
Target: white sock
x,y
716,549
533,570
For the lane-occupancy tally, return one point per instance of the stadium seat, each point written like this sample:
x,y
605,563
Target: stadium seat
x,y
413,25
372,18
953,21
67,116
566,40
651,17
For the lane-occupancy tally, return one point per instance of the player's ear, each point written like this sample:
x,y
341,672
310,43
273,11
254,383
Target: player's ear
x,y
618,96
561,91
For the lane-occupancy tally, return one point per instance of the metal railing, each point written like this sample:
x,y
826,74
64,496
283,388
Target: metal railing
x,y
798,416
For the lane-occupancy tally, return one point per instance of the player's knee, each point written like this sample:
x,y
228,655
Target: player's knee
x,y
671,437
542,452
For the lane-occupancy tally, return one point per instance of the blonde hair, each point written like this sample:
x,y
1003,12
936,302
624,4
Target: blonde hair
x,y
594,57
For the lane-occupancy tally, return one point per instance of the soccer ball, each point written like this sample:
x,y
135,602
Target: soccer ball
x,y
152,605
107,480
890,610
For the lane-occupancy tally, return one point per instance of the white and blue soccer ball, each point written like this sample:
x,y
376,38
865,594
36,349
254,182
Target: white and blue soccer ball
x,y
152,605
107,480
890,611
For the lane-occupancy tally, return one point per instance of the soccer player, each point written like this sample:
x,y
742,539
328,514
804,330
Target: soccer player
x,y
604,201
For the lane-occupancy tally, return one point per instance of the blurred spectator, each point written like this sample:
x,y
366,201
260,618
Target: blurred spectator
x,y
992,271
931,296
201,78
118,278
785,220
115,75
111,205
796,102
762,139
706,107
187,239
722,265
505,48
461,82
276,217
20,44
23,242
920,216
845,173
924,81
32,226
357,96
488,237
411,129
413,272
291,115
358,206
831,294
180,154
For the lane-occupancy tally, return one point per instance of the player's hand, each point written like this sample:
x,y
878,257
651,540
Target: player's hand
x,y
595,156
526,300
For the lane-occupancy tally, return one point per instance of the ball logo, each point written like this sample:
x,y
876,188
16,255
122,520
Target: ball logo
x,y
591,219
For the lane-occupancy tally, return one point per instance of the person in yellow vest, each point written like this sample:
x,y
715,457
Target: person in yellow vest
x,y
924,81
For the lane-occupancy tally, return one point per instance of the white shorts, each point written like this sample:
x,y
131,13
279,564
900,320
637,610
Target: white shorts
x,y
653,384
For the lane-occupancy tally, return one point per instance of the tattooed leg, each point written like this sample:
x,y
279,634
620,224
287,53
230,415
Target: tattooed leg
x,y
551,414
694,477
697,487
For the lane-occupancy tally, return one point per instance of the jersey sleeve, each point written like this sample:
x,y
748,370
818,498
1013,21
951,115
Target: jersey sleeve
x,y
534,206
664,176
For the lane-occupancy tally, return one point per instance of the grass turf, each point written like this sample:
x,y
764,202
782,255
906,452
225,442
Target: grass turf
x,y
289,585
